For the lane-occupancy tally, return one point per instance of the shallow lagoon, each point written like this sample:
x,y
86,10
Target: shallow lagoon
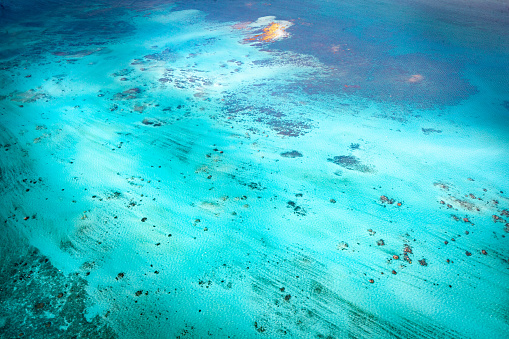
x,y
231,169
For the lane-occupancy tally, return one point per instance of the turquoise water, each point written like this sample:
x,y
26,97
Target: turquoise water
x,y
303,169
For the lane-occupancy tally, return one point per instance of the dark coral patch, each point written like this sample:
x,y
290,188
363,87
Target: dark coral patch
x,y
291,154
351,162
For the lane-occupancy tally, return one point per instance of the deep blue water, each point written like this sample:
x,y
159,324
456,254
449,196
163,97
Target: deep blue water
x,y
250,169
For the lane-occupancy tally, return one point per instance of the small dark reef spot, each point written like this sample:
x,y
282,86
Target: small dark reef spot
x,y
292,154
427,131
351,162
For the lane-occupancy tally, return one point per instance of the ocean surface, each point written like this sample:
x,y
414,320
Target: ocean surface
x,y
254,169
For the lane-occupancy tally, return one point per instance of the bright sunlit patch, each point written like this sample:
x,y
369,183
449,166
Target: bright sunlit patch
x,y
271,29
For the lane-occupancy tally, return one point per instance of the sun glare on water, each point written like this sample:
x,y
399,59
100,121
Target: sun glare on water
x,y
271,30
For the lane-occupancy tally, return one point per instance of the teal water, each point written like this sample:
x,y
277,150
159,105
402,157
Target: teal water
x,y
173,170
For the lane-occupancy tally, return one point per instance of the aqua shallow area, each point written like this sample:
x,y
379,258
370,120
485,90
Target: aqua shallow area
x,y
254,170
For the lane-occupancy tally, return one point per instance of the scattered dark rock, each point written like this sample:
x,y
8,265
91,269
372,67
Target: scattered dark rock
x,y
407,258
299,211
342,246
296,209
260,329
256,186
386,200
